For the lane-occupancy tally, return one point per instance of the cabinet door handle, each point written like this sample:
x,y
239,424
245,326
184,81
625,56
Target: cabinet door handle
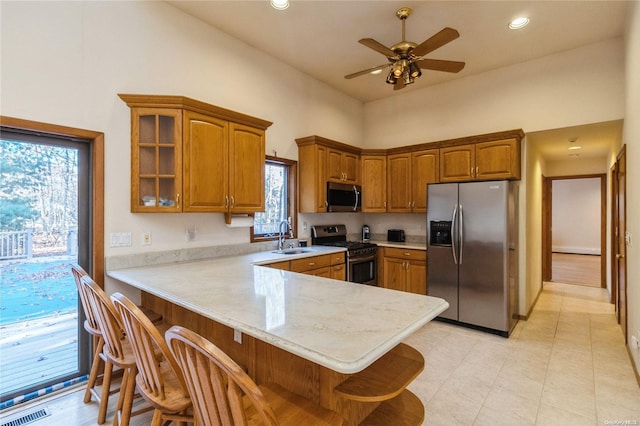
x,y
233,202
406,253
177,198
312,263
226,201
477,170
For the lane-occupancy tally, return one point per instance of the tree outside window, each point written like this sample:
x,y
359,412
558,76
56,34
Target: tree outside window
x,y
279,196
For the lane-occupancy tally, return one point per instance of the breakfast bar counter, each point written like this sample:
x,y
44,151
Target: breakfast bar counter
x,y
309,334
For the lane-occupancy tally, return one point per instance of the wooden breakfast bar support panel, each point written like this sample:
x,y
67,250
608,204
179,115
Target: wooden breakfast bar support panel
x,y
321,338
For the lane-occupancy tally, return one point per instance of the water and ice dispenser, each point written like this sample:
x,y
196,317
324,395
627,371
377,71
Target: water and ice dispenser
x,y
440,233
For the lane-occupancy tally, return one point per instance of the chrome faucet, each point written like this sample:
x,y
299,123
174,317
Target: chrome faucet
x,y
281,232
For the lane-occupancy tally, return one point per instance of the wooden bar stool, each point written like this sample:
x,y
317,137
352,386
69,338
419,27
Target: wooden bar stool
x,y
116,349
92,327
223,394
159,378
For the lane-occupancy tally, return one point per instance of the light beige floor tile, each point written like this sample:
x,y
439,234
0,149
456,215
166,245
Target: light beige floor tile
x,y
549,415
503,407
446,409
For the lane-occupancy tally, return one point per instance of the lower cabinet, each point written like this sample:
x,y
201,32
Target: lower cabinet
x,y
326,266
404,269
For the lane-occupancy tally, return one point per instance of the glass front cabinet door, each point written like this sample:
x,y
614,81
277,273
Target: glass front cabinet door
x,y
156,160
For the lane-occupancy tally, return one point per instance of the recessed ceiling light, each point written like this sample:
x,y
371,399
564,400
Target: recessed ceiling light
x,y
518,23
279,4
376,72
574,147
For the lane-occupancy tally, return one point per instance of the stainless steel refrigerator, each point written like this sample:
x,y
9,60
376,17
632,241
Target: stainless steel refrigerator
x,y
472,253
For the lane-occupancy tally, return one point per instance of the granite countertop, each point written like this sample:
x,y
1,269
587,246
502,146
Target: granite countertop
x,y
406,245
340,325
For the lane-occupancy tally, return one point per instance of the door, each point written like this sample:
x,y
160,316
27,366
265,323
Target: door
x,y
620,221
399,183
205,163
442,269
246,168
424,170
483,257
45,219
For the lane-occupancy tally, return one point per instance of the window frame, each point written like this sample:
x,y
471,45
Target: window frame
x,y
292,192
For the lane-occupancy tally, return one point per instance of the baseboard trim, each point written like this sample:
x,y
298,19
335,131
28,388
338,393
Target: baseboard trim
x,y
633,364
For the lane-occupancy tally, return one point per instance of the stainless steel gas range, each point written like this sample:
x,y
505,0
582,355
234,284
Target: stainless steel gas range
x,y
362,257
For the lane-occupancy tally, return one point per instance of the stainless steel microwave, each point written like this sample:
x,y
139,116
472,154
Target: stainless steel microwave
x,y
343,197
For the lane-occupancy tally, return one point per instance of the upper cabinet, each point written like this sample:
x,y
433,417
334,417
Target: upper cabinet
x,y
374,183
407,179
343,166
156,159
190,156
499,159
322,160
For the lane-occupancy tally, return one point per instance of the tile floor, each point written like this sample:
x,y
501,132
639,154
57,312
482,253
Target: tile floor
x,y
566,365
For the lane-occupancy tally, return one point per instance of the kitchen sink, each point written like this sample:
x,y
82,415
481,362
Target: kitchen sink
x,y
292,251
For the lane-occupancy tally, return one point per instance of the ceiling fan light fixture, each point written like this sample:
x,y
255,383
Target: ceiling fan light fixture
x,y
279,4
414,70
391,78
518,23
397,69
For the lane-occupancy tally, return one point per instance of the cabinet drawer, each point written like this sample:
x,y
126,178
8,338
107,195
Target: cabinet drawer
x,y
405,253
337,258
309,263
279,265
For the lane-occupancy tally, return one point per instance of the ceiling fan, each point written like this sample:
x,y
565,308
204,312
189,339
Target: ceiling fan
x,y
406,57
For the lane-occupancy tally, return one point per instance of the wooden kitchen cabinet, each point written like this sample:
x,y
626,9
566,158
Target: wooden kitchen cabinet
x,y
321,160
156,160
404,269
190,156
407,179
481,161
374,183
343,166
325,265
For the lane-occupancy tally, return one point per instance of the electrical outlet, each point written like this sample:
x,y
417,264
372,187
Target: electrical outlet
x,y
634,342
146,238
191,232
237,336
627,238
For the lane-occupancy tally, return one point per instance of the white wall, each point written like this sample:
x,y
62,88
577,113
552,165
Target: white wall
x,y
631,136
580,86
65,62
576,205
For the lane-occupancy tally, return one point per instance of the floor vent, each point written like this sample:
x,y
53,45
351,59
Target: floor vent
x,y
28,418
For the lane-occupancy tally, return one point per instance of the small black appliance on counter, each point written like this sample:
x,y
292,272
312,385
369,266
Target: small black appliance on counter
x,y
395,235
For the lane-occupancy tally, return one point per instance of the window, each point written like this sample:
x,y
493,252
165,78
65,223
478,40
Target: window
x,y
279,199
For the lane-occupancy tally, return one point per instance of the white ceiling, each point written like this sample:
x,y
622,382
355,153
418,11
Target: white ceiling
x,y
320,38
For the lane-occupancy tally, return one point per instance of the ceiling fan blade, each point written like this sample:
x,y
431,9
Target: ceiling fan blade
x,y
399,84
363,72
438,40
378,47
440,65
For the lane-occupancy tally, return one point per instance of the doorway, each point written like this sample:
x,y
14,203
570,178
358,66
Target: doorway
x,y
619,239
51,179
574,229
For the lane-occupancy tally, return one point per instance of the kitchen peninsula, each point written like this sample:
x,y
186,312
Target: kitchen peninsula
x,y
335,342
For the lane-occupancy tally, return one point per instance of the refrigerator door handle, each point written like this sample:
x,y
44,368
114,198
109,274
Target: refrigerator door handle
x,y
453,233
461,234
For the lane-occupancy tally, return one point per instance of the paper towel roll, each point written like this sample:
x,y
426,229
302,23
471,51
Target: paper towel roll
x,y
240,221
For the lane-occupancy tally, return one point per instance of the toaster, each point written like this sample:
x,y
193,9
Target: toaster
x,y
395,235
